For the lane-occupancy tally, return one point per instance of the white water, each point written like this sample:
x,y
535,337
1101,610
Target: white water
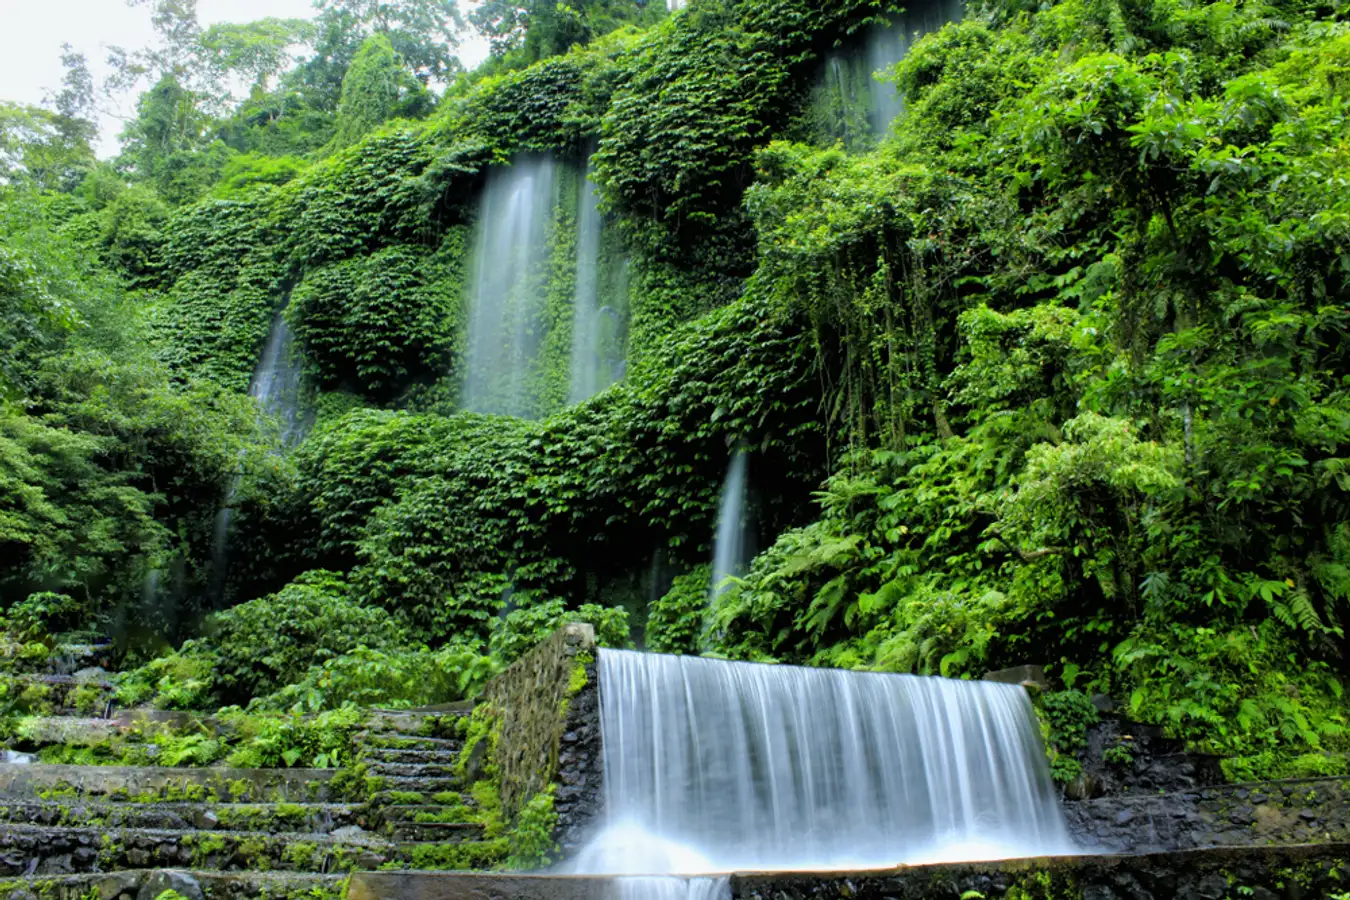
x,y
730,545
714,766
506,305
277,385
586,315
277,382
887,46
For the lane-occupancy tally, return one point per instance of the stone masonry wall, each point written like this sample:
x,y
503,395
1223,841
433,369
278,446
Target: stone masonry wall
x,y
1299,811
548,718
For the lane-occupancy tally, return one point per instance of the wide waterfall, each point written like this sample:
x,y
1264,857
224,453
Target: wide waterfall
x,y
713,766
277,382
509,287
730,544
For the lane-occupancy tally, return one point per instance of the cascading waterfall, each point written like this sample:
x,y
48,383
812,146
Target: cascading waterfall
x,y
277,382
850,103
887,46
277,385
586,314
730,543
506,306
713,766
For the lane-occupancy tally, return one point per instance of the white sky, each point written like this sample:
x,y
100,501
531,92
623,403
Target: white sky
x,y
32,31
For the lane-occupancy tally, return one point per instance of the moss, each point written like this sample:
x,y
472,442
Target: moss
x,y
254,852
301,855
459,857
405,798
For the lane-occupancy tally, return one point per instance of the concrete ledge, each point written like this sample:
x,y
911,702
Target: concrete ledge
x,y
1262,873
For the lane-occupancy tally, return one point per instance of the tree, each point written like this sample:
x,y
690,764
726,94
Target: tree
x,y
377,88
541,28
41,149
259,50
424,33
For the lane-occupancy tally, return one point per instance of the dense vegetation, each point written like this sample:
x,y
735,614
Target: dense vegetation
x,y
1061,359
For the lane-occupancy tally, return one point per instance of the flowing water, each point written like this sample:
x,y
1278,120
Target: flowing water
x,y
732,541
278,381
714,766
509,287
887,46
850,102
586,314
277,385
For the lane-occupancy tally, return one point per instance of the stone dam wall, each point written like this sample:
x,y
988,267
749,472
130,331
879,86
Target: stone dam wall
x,y
547,711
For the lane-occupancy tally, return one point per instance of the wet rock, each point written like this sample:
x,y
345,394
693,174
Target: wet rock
x,y
349,832
205,820
170,880
112,886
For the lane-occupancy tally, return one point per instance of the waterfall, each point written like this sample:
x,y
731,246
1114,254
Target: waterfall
x,y
887,46
713,766
849,102
277,382
731,543
586,314
277,385
506,304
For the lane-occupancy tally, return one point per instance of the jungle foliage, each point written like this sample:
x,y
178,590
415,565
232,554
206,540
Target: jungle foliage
x,y
1062,357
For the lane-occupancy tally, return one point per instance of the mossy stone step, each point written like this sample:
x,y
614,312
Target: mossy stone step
x,y
67,730
410,812
311,818
397,741
411,831
162,784
412,770
420,785
415,723
37,694
45,850
446,757
215,885
463,856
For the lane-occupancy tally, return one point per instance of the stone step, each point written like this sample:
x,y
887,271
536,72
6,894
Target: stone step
x,y
46,850
75,731
311,818
446,757
49,694
388,741
157,783
217,885
434,832
410,812
463,856
421,771
414,723
418,785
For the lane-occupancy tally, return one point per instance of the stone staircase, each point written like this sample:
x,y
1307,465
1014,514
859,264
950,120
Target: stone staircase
x,y
125,832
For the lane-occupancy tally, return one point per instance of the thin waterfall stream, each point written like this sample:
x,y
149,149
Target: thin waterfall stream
x,y
713,766
506,303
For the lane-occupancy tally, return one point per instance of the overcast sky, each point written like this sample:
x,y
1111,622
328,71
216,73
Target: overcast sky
x,y
34,30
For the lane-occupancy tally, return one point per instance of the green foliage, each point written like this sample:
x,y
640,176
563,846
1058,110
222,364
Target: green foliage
x,y
675,623
531,837
378,322
258,647
377,88
1065,719
521,629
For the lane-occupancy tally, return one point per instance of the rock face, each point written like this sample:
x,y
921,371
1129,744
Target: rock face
x,y
550,729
